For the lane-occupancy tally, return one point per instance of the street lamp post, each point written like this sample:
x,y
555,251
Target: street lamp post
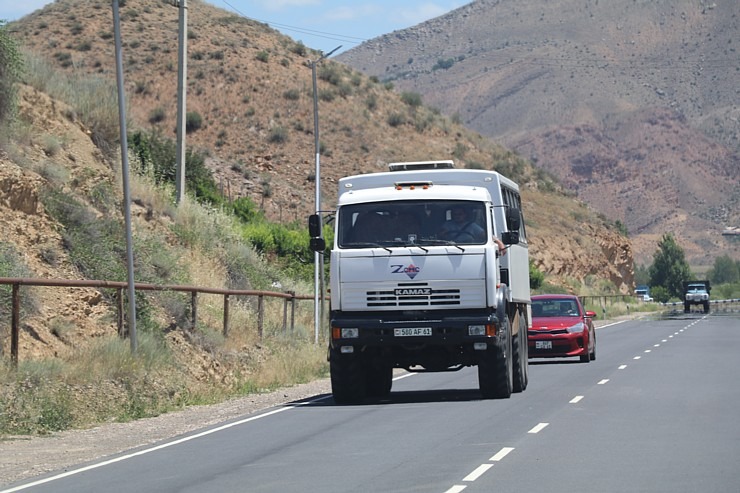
x,y
318,256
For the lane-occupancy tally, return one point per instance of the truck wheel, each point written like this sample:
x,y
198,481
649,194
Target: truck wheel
x,y
379,379
495,368
520,350
706,307
347,377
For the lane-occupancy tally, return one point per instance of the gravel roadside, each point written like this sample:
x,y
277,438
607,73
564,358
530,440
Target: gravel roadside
x,y
28,457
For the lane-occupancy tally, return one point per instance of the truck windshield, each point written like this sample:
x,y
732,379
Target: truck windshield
x,y
404,223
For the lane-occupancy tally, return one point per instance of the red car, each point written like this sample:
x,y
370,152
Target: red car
x,y
561,328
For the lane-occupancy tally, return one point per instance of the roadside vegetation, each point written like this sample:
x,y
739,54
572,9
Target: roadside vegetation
x,y
227,244
669,270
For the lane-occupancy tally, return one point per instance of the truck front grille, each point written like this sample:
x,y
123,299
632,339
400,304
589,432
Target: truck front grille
x,y
434,298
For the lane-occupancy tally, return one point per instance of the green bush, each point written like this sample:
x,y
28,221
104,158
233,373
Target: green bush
x,y
331,73
444,64
536,277
156,156
193,121
277,135
396,119
412,99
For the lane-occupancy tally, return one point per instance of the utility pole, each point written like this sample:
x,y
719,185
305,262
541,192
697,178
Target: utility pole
x,y
318,256
182,73
124,176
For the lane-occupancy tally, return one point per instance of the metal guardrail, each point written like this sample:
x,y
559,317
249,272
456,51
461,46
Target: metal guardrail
x,y
711,302
289,298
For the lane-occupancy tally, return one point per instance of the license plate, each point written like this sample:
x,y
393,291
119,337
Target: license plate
x,y
412,331
543,344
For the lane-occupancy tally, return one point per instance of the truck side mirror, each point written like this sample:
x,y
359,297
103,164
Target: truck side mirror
x,y
317,244
314,226
513,219
510,238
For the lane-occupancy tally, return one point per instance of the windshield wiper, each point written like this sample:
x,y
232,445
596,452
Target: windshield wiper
x,y
365,244
442,242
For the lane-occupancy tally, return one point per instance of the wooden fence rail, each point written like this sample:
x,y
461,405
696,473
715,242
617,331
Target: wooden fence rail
x,y
289,299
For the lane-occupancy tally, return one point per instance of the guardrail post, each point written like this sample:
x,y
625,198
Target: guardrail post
x,y
14,330
194,304
285,315
226,315
119,315
260,314
292,311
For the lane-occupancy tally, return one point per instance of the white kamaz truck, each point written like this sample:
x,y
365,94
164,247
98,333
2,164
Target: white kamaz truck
x,y
418,281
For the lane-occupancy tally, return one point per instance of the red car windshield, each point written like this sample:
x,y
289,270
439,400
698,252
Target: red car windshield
x,y
555,308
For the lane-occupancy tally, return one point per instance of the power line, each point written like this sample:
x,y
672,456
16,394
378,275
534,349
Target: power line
x,y
301,30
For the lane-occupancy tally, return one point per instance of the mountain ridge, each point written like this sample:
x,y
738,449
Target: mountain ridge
x,y
515,71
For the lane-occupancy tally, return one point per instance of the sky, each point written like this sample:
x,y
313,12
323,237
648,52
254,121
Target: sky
x,y
319,24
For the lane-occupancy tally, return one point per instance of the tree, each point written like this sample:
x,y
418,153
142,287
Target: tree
x,y
669,268
725,270
536,278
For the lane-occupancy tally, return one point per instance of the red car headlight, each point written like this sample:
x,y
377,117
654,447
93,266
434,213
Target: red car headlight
x,y
579,327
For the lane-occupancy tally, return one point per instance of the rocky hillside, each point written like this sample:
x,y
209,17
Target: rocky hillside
x,y
252,88
575,85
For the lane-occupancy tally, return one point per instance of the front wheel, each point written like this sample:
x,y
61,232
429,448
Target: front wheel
x,y
347,377
495,367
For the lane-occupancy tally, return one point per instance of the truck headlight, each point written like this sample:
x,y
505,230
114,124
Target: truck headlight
x,y
342,333
476,330
352,333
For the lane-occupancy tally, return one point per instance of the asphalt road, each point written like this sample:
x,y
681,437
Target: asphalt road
x,y
655,412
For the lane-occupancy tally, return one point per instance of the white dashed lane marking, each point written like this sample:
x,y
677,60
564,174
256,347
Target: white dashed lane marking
x,y
478,472
538,428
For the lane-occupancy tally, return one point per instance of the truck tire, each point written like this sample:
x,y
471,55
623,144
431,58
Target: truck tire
x,y
706,307
495,368
347,377
520,350
378,379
